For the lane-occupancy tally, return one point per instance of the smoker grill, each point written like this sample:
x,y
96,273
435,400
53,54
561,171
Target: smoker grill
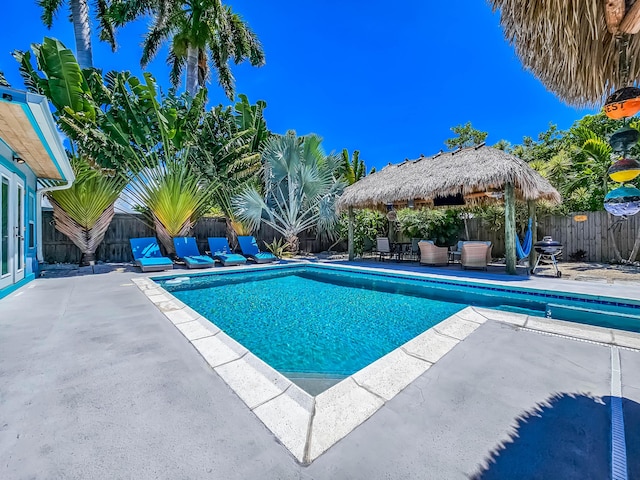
x,y
548,250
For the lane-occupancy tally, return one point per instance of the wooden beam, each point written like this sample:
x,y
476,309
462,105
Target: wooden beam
x,y
631,22
510,227
350,235
613,14
534,232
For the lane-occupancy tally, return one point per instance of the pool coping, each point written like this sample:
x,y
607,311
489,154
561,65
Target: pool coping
x,y
308,426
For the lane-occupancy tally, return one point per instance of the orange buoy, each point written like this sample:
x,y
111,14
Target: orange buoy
x,y
623,103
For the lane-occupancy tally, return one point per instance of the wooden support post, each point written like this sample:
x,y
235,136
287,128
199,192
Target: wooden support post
x,y
631,22
534,232
350,240
510,227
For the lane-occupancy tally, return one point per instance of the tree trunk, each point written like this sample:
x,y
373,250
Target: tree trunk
x,y
192,71
510,227
534,231
294,243
82,32
636,247
350,234
612,240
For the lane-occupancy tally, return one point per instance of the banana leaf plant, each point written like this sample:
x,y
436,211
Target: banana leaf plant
x,y
84,212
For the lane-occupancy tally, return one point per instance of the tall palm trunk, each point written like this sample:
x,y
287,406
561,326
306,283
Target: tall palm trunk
x,y
82,32
192,70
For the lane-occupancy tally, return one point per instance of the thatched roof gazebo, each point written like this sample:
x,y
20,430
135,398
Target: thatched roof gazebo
x,y
581,50
473,175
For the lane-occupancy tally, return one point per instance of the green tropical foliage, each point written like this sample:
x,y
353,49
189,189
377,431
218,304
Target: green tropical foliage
x,y
84,211
3,80
279,247
353,169
174,196
368,224
227,152
467,136
301,185
441,226
201,34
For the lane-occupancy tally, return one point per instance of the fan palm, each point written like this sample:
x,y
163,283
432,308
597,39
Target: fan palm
x,y
200,32
84,212
81,25
301,186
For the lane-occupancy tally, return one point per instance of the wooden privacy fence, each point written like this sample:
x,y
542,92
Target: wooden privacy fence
x,y
590,236
57,248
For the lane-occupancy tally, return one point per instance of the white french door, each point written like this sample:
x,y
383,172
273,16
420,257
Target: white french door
x,y
12,254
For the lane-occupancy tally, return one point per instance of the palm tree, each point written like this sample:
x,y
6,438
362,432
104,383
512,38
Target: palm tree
x,y
81,25
200,32
301,185
353,169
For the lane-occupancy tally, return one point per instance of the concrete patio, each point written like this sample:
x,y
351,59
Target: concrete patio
x,y
95,382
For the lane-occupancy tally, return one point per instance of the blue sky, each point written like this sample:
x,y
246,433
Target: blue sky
x,y
388,79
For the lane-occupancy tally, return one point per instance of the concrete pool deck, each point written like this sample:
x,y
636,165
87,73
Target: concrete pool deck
x,y
96,383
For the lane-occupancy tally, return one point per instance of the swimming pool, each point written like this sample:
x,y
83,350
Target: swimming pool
x,y
324,320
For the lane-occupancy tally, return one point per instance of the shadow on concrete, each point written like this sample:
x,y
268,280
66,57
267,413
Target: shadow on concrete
x,y
632,433
568,436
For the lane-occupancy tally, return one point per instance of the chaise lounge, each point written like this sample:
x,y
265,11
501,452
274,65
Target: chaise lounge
x,y
221,252
249,248
147,255
187,250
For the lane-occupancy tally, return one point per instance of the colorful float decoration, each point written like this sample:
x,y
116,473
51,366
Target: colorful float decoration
x,y
624,170
623,103
624,139
622,201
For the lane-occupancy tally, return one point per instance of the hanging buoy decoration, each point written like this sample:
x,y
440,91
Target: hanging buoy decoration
x,y
622,201
624,170
624,139
623,103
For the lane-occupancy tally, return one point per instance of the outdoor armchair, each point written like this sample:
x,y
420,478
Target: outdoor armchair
x,y
475,255
430,254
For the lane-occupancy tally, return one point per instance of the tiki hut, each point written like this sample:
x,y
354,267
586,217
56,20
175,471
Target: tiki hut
x,y
581,50
472,175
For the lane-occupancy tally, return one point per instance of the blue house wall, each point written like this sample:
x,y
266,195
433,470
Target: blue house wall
x,y
29,214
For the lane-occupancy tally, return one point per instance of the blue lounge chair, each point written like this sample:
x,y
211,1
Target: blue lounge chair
x,y
221,251
250,249
146,254
187,250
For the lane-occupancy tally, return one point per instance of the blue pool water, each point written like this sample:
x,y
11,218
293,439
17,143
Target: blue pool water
x,y
303,323
316,319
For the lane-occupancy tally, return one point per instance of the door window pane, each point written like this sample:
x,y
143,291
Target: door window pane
x,y
4,226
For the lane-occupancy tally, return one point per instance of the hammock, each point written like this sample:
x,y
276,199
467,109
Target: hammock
x,y
523,250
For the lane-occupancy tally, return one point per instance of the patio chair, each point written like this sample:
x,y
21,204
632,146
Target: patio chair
x,y
221,252
430,254
457,252
383,247
249,248
187,250
147,255
475,255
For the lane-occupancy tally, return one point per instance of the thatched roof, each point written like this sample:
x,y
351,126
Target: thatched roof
x,y
478,173
569,44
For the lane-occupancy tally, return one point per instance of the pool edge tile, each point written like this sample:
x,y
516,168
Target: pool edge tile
x,y
431,346
253,380
339,410
390,374
456,327
216,351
